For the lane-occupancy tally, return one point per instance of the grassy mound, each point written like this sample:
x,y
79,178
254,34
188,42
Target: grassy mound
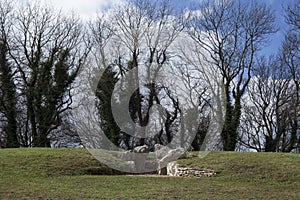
x,y
74,174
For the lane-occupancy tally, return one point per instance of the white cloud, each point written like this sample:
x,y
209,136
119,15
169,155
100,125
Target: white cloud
x,y
85,8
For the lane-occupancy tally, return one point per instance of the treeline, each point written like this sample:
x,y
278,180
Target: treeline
x,y
41,54
203,67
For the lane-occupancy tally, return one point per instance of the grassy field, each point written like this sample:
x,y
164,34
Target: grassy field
x,y
70,174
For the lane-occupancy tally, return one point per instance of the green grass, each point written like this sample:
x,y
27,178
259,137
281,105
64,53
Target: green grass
x,y
67,174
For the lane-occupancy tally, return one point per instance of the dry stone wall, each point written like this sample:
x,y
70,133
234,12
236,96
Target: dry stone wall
x,y
173,169
165,163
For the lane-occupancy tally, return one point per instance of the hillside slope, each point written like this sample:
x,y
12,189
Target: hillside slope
x,y
71,174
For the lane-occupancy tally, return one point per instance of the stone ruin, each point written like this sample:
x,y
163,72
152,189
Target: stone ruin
x,y
173,169
137,158
165,162
165,155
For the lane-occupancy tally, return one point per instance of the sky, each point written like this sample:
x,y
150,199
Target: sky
x,y
279,7
89,8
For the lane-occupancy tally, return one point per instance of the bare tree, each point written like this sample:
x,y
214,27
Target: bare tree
x,y
291,59
8,94
293,15
135,38
271,115
48,51
229,34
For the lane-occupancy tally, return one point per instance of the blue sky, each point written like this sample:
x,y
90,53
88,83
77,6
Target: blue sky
x,y
277,5
89,8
